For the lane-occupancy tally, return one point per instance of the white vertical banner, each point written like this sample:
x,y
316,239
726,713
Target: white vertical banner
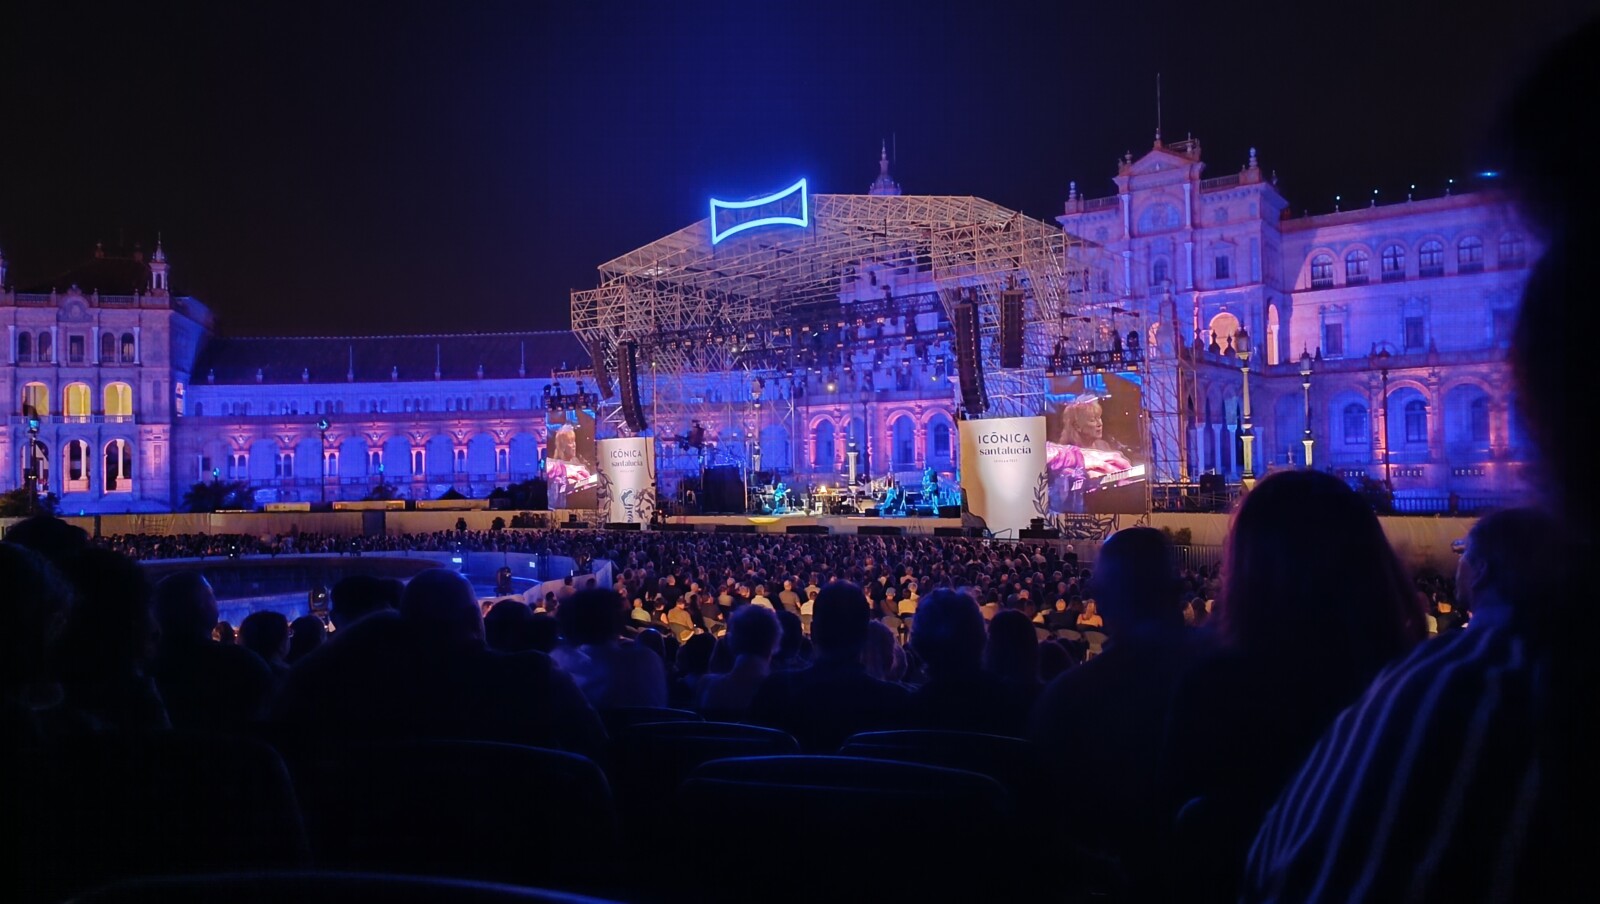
x,y
627,491
1003,472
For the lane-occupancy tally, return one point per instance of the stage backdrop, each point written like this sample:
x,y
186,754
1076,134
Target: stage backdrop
x,y
1003,472
627,491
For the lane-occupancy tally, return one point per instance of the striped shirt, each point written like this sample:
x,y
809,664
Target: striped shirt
x,y
1430,787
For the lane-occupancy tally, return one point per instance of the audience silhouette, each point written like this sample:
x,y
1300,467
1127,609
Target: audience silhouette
x,y
834,697
1099,726
1460,775
424,672
207,685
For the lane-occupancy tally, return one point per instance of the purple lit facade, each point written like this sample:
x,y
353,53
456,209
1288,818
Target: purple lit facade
x,y
137,398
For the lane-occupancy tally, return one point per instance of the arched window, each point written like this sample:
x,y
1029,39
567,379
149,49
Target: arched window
x,y
35,400
1478,419
502,461
1394,263
24,348
375,461
129,349
1322,271
46,350
419,462
1469,254
1158,272
824,456
1416,420
119,400
941,442
904,443
36,462
119,466
199,408
77,457
108,348
75,400
284,467
460,461
1512,253
1355,424
1430,258
1355,267
330,464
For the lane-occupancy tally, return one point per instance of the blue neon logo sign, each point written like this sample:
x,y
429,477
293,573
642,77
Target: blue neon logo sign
x,y
788,207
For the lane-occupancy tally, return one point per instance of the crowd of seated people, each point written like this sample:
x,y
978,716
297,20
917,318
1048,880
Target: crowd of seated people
x,y
1161,723
1306,723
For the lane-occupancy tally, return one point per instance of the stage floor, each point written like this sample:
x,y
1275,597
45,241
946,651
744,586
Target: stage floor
x,y
835,524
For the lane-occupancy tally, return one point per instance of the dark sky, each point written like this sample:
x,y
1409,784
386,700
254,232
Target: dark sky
x,y
451,167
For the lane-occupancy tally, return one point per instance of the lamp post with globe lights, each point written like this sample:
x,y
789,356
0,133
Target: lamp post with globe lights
x,y
1305,384
1380,361
1241,347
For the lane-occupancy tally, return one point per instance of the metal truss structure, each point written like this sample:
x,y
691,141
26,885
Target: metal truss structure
x,y
725,325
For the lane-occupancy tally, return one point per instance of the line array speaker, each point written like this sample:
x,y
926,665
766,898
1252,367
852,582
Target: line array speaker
x,y
1011,328
628,383
602,373
973,397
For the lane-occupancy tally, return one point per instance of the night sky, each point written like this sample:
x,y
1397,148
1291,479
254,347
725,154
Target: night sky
x,y
456,167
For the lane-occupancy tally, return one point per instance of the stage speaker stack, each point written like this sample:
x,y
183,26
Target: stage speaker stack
x,y
628,382
723,491
602,374
1011,328
968,365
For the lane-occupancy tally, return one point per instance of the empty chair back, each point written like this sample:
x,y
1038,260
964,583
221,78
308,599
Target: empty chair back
x,y
320,887
466,809
619,717
1096,641
104,807
1009,761
845,822
648,761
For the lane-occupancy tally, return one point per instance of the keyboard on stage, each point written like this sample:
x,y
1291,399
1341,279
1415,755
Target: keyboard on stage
x,y
1116,479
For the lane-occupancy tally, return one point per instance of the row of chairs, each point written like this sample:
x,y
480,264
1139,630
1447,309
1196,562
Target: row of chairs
x,y
122,809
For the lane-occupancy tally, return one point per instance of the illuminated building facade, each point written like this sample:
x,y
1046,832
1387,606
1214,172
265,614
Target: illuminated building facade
x,y
123,394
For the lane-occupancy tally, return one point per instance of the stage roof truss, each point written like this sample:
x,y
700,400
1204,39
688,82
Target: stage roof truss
x,y
740,306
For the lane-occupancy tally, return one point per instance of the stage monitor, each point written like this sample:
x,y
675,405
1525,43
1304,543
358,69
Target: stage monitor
x,y
1098,458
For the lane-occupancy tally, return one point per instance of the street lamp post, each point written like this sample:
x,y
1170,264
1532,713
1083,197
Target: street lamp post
x,y
1305,384
322,428
1241,347
1380,359
31,477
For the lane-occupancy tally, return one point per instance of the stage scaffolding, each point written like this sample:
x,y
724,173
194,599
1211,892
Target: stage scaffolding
x,y
721,328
